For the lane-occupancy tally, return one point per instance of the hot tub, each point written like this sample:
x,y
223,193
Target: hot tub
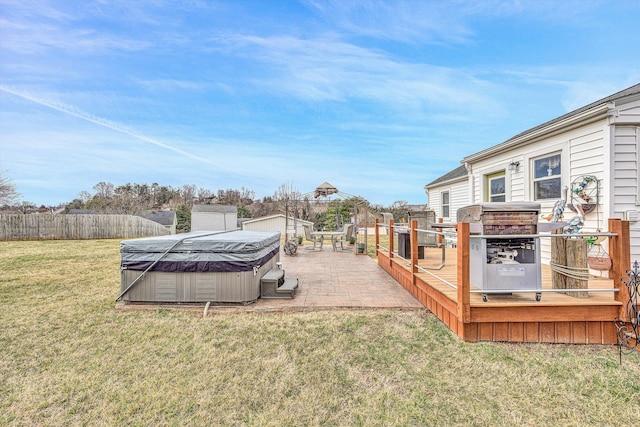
x,y
197,267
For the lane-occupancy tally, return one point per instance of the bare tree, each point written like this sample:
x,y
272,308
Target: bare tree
x,y
126,199
104,190
8,193
247,196
27,207
288,200
188,192
398,209
205,196
84,196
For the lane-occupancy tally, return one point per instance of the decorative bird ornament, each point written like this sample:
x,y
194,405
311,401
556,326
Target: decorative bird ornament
x,y
576,223
558,207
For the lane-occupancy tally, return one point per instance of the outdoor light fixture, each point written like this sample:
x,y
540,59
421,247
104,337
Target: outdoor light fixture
x,y
513,166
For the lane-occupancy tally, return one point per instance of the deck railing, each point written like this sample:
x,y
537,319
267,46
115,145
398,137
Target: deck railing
x,y
618,248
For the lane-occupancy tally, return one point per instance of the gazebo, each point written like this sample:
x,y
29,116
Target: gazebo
x,y
323,193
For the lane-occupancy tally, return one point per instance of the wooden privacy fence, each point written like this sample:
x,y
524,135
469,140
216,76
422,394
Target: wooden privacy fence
x,y
76,227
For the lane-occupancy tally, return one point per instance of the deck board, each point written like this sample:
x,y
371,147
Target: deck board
x,y
557,318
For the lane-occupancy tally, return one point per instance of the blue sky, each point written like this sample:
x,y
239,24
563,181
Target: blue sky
x,y
376,97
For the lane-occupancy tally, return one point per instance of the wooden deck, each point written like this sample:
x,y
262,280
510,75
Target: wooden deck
x,y
518,317
449,274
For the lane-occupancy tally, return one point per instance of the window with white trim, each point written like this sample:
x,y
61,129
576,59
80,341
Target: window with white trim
x,y
444,200
496,186
547,182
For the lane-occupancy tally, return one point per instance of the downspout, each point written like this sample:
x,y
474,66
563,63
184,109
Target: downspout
x,y
471,182
426,191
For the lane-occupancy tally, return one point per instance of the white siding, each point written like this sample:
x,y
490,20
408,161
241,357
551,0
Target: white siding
x,y
458,197
587,157
274,223
607,148
625,178
582,153
213,221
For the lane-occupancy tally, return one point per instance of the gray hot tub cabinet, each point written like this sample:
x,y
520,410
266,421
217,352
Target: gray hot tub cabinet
x,y
198,267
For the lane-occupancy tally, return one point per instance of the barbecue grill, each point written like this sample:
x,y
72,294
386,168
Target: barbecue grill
x,y
503,259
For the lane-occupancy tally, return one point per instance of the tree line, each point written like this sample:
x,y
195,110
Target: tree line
x,y
133,198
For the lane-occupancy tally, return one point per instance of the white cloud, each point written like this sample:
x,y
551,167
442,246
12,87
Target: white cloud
x,y
404,21
328,69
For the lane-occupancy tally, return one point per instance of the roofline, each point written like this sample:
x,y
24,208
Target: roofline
x,y
448,181
591,115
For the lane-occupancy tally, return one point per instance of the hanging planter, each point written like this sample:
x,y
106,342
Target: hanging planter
x,y
598,259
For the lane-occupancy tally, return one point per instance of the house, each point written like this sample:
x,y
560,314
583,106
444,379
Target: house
x,y
167,218
276,223
214,218
594,150
448,193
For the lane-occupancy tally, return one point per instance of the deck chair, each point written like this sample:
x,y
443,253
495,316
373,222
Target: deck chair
x,y
310,238
346,235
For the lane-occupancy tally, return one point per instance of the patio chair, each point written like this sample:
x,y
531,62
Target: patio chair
x,y
346,235
310,238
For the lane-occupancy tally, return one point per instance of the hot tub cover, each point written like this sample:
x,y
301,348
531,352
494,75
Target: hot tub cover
x,y
222,251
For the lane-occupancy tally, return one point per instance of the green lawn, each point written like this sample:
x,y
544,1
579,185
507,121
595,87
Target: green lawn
x,y
69,357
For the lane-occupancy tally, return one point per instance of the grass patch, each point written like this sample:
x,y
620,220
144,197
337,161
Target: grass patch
x,y
68,357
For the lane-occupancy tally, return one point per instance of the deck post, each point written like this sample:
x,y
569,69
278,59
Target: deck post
x,y
464,295
390,231
620,253
413,239
440,230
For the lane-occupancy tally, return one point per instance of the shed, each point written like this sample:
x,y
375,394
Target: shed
x,y
214,218
275,223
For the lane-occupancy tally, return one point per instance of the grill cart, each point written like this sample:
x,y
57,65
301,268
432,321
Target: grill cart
x,y
503,259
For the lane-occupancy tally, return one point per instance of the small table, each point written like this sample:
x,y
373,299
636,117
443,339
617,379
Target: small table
x,y
329,235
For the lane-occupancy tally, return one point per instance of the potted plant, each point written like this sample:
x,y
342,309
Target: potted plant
x,y
360,247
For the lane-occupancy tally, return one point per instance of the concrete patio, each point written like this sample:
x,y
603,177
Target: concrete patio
x,y
339,279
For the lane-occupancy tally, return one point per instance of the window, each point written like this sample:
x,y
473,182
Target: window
x,y
496,186
546,179
445,204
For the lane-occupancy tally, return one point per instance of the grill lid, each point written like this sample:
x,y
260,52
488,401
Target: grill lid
x,y
474,213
